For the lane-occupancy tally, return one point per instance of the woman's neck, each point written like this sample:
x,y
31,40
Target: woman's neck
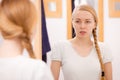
x,y
82,41
10,48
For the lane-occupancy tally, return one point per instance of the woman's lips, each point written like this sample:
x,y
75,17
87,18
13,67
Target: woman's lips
x,y
82,32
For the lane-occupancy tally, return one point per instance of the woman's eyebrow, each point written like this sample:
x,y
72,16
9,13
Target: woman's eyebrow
x,y
89,19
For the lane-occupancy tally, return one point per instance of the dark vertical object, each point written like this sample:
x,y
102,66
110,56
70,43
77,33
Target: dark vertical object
x,y
73,6
45,40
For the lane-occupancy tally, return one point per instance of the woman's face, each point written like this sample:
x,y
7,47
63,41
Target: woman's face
x,y
83,23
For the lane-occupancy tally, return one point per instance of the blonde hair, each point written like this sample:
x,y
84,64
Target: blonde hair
x,y
17,20
93,12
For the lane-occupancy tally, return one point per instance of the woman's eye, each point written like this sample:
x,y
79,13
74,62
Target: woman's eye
x,y
77,21
88,21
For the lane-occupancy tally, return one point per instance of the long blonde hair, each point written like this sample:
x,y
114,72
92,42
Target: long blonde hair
x,y
93,12
17,20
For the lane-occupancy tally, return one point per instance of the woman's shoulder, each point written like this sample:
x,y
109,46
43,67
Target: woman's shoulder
x,y
106,52
39,68
35,62
103,45
43,70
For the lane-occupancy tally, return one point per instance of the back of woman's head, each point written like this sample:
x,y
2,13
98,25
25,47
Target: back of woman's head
x,y
17,20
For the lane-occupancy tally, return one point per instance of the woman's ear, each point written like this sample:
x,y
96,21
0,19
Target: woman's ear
x,y
72,23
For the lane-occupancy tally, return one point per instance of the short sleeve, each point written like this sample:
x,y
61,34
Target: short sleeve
x,y
56,52
106,53
42,72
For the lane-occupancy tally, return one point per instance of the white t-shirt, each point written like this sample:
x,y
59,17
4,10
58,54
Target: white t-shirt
x,y
23,68
76,67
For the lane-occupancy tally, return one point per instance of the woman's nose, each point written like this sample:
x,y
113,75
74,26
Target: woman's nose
x,y
82,25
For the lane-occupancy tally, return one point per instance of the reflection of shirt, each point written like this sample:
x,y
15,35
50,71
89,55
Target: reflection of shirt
x,y
76,67
22,68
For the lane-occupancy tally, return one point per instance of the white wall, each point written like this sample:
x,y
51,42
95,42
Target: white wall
x,y
57,27
111,36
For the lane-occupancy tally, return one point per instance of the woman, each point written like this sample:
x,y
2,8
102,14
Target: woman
x,y
17,25
80,57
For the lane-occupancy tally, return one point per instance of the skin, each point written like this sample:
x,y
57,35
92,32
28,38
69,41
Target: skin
x,y
108,71
10,48
83,24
